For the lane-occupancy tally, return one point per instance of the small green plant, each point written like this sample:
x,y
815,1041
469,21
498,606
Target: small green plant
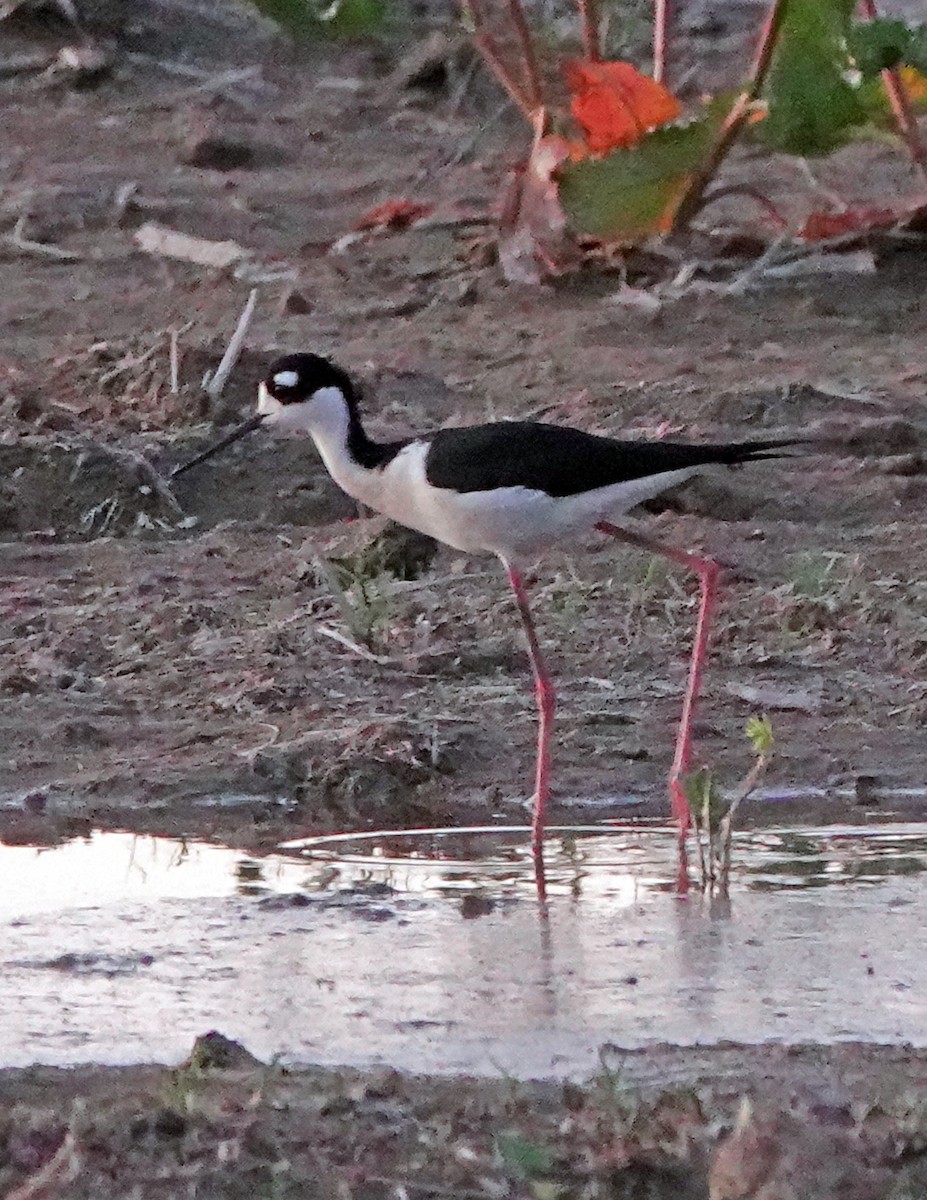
x,y
527,1159
712,810
181,1094
821,576
567,600
325,18
363,592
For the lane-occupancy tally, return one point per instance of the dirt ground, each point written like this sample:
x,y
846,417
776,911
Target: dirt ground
x,y
254,641
844,1124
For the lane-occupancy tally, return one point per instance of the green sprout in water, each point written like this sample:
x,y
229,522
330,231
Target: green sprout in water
x,y
712,810
759,733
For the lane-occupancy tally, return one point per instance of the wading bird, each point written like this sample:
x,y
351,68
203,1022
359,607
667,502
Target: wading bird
x,y
510,488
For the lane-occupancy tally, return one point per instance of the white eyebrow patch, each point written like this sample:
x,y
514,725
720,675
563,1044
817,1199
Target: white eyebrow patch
x,y
286,379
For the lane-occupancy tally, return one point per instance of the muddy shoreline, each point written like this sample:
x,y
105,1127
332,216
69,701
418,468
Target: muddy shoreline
x,y
827,1122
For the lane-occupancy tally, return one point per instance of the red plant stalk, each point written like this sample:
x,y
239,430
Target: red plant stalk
x,y
736,118
589,20
486,45
744,189
532,75
901,107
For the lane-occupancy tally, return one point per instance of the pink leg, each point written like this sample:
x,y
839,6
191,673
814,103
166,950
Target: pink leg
x,y
547,703
708,571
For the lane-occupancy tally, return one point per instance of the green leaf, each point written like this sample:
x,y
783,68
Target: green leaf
x,y
630,194
706,804
759,733
878,45
339,18
525,1158
884,43
813,105
353,18
916,53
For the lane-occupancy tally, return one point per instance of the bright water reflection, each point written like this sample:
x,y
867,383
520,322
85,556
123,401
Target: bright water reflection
x,y
432,952
624,865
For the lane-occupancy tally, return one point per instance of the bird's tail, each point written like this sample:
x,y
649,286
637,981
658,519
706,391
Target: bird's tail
x,y
731,453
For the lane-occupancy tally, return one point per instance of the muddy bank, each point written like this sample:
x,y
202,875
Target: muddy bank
x,y
844,1122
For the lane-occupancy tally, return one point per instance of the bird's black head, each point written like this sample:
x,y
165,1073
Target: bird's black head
x,y
299,394
297,377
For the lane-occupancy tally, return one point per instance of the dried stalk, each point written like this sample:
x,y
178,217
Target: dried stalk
x,y
54,1177
175,362
589,19
736,118
726,827
900,104
19,241
216,384
660,27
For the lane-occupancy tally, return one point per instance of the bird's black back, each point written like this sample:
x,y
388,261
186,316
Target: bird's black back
x,y
563,461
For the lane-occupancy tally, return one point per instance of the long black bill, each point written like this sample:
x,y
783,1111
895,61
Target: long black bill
x,y
248,427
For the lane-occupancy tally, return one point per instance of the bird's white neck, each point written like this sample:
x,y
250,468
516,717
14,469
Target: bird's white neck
x,y
349,455
327,420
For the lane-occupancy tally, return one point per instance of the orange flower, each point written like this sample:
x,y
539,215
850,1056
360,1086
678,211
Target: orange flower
x,y
615,104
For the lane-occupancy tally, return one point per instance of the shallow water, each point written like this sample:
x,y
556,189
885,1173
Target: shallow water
x,y
431,952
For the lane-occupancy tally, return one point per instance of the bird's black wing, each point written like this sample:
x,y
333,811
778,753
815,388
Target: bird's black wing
x,y
562,461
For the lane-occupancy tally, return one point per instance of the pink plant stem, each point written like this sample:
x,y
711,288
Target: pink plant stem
x,y
708,571
589,20
535,94
736,118
744,189
547,703
901,106
660,27
489,51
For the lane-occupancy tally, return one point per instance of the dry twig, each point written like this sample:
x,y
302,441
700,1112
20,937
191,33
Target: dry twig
x,y
523,33
216,384
349,644
175,360
24,64
43,249
60,1169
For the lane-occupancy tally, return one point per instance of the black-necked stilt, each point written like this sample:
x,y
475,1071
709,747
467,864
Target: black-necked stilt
x,y
512,488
